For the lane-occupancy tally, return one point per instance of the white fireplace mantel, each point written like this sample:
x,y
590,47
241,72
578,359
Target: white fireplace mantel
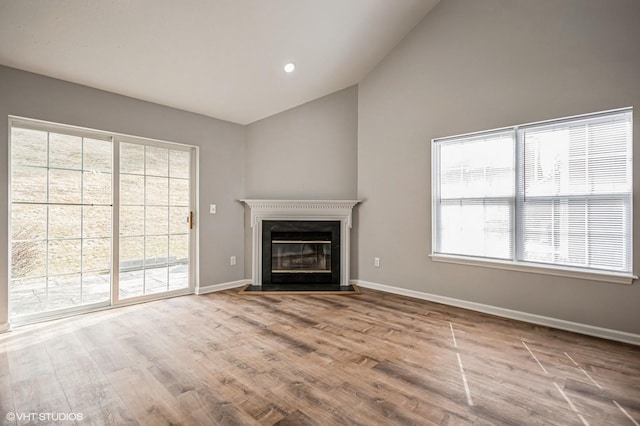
x,y
334,210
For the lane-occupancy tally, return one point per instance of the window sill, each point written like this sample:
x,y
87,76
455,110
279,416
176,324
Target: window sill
x,y
609,277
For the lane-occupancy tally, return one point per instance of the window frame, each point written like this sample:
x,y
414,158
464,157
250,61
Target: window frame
x,y
515,264
116,140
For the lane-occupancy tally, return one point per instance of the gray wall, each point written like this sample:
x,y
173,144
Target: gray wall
x,y
475,65
308,153
221,156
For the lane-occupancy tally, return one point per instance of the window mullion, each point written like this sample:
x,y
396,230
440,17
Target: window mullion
x,y
516,225
115,221
46,260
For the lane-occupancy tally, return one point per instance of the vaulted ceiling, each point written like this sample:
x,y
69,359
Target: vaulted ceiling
x,y
220,58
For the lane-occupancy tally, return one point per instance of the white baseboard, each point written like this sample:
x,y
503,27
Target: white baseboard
x,y
590,330
221,287
4,327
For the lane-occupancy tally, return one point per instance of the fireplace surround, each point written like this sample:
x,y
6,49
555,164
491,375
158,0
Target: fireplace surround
x,y
312,237
300,252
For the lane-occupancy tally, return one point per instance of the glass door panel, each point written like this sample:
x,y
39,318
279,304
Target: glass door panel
x,y
155,188
60,221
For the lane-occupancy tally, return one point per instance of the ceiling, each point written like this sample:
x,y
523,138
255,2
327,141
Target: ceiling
x,y
220,58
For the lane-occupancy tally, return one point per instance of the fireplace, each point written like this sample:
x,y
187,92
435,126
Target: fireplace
x,y
303,242
300,252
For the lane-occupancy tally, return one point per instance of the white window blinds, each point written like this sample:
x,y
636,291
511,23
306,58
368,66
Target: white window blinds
x,y
475,195
556,193
575,187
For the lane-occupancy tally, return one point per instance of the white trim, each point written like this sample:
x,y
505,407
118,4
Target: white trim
x,y
115,222
590,330
194,234
221,287
536,123
58,313
98,307
152,297
5,327
37,124
559,271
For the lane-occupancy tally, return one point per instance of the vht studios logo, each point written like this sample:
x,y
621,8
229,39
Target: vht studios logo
x,y
43,417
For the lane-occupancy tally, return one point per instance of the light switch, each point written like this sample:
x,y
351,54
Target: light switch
x,y
212,208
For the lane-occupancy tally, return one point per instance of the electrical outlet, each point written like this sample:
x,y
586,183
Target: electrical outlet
x,y
232,260
212,209
376,262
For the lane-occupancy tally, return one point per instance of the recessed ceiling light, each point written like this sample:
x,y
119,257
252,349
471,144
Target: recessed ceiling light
x,y
290,67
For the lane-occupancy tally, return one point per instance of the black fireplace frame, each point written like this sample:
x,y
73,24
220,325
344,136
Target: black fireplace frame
x,y
295,229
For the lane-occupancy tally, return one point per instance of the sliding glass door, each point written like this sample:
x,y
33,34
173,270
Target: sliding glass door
x,y
71,250
155,219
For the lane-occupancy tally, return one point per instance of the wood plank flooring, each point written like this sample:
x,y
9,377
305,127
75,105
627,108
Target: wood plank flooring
x,y
368,359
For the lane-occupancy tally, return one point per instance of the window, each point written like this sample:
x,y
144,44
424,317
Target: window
x,y
476,195
555,194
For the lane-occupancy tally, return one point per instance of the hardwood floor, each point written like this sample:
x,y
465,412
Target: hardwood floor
x,y
373,358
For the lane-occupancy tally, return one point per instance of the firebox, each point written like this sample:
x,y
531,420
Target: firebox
x,y
300,252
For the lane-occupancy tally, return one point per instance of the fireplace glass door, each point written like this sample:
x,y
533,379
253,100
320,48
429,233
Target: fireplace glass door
x,y
299,256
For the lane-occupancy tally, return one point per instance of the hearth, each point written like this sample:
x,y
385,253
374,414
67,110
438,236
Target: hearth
x,y
300,252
